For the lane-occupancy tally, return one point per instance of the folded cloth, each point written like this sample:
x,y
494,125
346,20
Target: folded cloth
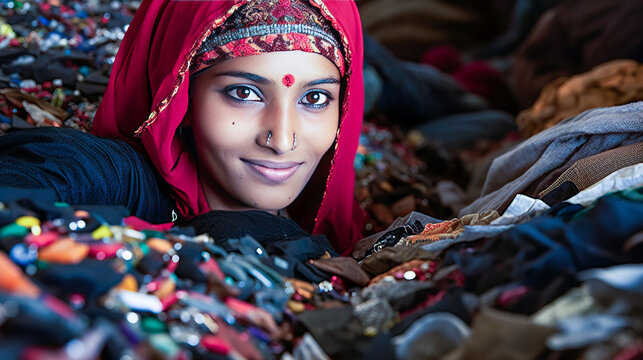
x,y
345,267
578,137
337,330
523,208
615,82
393,256
627,178
590,170
449,229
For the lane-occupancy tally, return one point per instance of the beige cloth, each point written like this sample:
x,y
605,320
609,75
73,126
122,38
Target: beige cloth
x,y
501,335
590,170
615,82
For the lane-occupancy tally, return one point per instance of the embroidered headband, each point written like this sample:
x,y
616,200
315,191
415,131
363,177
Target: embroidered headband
x,y
267,26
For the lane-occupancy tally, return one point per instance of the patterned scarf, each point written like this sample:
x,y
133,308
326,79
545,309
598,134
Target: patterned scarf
x,y
266,26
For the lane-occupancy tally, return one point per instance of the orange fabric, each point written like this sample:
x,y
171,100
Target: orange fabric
x,y
613,83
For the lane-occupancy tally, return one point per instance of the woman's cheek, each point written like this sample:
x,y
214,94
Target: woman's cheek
x,y
218,127
324,133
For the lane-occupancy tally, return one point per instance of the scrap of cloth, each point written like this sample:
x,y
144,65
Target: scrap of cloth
x,y
615,82
590,170
503,335
449,229
578,137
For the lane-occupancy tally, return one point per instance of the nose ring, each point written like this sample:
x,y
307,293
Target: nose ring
x,y
268,137
294,141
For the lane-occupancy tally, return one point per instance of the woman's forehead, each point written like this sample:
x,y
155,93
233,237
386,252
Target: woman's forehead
x,y
271,68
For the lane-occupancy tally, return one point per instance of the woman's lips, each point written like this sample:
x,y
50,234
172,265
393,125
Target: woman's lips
x,y
273,172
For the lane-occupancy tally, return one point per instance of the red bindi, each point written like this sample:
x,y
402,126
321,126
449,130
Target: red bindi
x,y
288,80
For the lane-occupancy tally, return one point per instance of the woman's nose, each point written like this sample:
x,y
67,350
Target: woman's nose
x,y
280,133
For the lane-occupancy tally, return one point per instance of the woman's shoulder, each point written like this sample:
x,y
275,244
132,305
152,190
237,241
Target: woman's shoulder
x,y
83,169
59,137
70,147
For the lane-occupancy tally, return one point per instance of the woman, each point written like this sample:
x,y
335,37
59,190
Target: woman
x,y
244,105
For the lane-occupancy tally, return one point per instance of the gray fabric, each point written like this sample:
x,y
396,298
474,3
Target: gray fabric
x,y
309,349
575,138
580,331
431,337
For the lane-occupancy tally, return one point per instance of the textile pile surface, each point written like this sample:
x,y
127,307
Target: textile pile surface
x,y
502,185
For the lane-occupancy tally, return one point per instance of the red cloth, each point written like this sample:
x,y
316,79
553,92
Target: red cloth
x,y
139,224
267,20
147,98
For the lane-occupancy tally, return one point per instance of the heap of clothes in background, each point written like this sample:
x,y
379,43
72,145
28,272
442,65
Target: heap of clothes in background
x,y
527,144
59,55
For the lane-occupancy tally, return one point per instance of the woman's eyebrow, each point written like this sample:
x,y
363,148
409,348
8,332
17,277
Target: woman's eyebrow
x,y
262,80
250,76
321,81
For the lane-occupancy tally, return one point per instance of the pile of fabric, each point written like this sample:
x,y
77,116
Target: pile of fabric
x,y
91,282
57,53
503,185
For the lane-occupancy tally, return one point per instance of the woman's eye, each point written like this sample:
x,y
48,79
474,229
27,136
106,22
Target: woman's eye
x,y
316,99
243,93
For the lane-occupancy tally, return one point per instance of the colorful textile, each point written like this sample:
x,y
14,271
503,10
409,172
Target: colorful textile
x,y
449,229
266,26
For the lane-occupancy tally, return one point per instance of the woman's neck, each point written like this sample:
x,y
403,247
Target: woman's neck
x,y
219,199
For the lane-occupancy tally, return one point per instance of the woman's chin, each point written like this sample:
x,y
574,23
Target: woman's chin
x,y
271,206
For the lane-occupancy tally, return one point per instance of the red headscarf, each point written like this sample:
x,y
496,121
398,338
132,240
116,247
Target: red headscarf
x,y
147,98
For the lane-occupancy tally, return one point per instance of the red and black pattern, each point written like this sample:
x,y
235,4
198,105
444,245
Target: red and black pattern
x,y
267,26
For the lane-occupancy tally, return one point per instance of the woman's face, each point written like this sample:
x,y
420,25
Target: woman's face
x,y
261,125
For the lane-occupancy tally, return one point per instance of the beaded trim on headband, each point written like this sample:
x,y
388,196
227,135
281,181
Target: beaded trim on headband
x,y
233,35
268,26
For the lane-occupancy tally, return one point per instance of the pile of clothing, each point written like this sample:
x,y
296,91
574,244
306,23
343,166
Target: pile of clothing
x,y
88,282
57,53
534,184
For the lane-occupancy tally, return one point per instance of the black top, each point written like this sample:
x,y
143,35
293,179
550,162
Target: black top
x,y
84,169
